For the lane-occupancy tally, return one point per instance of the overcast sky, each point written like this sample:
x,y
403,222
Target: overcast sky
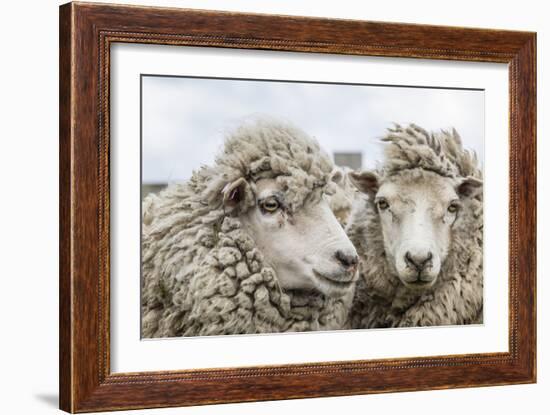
x,y
186,119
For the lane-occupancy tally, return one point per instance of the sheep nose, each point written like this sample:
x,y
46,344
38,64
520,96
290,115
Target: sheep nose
x,y
419,261
347,259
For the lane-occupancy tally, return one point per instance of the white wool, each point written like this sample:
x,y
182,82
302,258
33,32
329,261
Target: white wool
x,y
202,273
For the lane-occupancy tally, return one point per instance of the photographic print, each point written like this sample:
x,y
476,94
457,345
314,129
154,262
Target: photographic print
x,y
276,206
258,207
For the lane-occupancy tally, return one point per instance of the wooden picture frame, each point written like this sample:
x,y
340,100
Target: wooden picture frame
x,y
86,33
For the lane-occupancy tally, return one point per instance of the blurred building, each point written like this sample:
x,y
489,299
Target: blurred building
x,y
147,188
352,160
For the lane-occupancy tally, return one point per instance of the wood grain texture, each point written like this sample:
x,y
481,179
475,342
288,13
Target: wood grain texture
x,y
65,246
86,33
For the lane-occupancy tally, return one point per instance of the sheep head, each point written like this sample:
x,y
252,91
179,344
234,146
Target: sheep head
x,y
418,196
276,181
417,210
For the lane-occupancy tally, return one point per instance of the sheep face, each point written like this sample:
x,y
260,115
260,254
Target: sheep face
x,y
307,248
416,211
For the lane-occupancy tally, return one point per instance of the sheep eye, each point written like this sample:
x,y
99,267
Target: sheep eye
x,y
383,204
453,207
270,205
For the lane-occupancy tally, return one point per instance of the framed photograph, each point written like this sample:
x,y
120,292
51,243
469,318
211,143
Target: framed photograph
x,y
259,207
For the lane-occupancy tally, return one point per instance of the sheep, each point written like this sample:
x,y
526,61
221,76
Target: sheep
x,y
249,244
341,201
418,230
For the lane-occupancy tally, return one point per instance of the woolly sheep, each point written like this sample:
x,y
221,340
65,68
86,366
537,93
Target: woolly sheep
x,y
341,201
248,245
418,229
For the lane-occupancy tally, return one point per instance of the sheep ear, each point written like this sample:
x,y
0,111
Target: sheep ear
x,y
234,193
366,181
469,187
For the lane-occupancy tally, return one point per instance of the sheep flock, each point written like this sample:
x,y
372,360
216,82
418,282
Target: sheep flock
x,y
273,237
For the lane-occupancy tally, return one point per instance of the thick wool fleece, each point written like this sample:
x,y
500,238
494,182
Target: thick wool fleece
x,y
202,274
381,299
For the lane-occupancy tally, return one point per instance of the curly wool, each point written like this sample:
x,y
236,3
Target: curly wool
x,y
202,274
381,299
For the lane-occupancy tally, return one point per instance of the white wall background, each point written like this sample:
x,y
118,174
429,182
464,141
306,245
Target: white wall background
x,y
29,208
